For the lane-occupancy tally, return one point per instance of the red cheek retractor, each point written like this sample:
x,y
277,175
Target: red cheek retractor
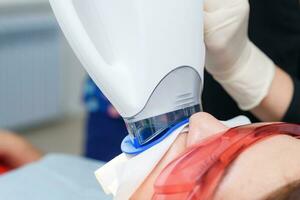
x,y
196,174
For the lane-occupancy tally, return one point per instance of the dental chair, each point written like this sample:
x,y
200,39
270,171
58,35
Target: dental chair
x,y
55,177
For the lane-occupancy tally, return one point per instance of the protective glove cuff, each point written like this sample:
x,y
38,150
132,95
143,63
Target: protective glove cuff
x,y
250,79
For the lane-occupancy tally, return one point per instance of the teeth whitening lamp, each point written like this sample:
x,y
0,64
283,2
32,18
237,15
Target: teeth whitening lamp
x,y
146,56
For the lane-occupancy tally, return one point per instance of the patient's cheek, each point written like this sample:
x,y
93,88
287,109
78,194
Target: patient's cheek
x,y
146,190
178,147
263,168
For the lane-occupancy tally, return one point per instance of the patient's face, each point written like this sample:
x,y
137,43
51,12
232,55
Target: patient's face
x,y
258,172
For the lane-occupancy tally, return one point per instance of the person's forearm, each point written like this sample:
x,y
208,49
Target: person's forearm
x,y
276,103
15,151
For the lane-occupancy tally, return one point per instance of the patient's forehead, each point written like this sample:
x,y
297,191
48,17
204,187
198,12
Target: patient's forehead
x,y
259,171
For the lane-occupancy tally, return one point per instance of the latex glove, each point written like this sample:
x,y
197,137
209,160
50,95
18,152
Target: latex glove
x,y
244,71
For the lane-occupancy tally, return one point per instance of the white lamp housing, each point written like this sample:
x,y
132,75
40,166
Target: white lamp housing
x,y
146,56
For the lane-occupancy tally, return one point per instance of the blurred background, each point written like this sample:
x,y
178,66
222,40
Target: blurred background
x,y
41,80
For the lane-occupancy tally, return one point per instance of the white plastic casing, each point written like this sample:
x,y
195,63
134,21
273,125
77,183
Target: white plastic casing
x,y
129,46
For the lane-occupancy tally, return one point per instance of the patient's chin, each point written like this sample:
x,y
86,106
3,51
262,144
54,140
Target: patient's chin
x,y
261,170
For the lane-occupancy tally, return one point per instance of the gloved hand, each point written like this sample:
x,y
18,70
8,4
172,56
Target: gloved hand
x,y
244,71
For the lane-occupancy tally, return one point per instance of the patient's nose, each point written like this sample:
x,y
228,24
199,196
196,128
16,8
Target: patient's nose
x,y
203,125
